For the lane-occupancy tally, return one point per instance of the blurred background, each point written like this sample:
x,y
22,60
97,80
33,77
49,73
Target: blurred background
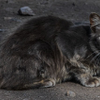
x,y
75,10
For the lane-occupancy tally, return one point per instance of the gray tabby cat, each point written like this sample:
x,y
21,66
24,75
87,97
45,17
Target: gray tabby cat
x,y
50,50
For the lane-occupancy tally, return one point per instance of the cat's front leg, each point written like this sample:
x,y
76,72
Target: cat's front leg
x,y
87,80
91,82
84,77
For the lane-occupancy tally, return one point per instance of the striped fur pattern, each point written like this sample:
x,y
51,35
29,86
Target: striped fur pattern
x,y
49,50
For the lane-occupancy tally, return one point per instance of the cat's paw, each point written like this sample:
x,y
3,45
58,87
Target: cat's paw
x,y
48,83
93,82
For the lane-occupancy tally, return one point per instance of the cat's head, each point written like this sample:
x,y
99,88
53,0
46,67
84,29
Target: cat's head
x,y
95,32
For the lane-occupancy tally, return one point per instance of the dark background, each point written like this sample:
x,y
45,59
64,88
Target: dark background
x,y
74,10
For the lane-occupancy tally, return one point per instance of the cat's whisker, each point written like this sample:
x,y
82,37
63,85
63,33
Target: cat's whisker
x,y
94,57
91,54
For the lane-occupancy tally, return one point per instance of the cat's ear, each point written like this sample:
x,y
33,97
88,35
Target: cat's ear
x,y
95,22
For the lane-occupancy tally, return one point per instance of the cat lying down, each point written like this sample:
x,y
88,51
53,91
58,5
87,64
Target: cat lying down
x,y
49,50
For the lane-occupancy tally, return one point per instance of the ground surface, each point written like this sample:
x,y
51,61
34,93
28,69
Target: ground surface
x,y
75,10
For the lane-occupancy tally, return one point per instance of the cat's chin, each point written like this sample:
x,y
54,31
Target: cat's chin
x,y
93,48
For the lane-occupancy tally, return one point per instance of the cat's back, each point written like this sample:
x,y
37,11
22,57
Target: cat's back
x,y
45,27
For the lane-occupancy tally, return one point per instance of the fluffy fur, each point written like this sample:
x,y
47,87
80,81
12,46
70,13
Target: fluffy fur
x,y
49,50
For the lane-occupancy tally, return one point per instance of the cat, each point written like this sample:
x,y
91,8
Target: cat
x,y
48,50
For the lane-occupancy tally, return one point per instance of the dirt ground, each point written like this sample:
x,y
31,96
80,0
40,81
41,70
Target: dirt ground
x,y
74,10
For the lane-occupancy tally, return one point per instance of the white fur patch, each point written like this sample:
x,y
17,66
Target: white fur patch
x,y
96,21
